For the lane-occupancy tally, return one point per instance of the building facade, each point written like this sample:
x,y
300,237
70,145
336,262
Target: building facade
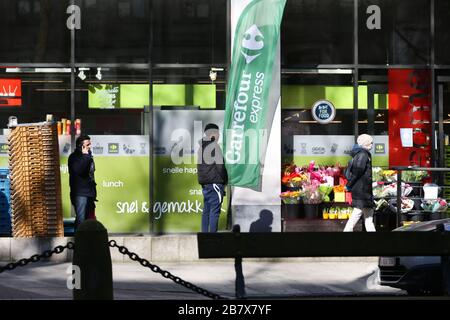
x,y
129,71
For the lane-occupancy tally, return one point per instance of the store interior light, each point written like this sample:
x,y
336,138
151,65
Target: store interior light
x,y
212,75
314,121
38,70
81,73
316,71
99,74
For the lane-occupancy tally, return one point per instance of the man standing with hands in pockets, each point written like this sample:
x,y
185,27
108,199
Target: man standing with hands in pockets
x,y
213,177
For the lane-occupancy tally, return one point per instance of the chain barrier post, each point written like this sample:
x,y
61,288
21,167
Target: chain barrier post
x,y
166,274
240,281
92,257
36,257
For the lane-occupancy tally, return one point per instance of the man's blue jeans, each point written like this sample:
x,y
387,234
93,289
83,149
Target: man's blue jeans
x,y
82,206
212,203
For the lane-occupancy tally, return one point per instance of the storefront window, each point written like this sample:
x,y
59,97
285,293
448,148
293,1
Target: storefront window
x,y
373,112
299,92
113,31
442,36
34,31
187,31
31,93
192,87
185,100
112,100
111,106
373,102
34,95
394,32
317,32
443,125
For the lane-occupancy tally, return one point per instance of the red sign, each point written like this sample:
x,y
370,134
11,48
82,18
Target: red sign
x,y
410,108
10,92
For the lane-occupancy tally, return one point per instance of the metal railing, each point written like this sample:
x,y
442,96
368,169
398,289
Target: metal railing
x,y
399,170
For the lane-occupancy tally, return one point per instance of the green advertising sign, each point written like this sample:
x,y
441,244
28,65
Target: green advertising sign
x,y
178,196
248,112
123,180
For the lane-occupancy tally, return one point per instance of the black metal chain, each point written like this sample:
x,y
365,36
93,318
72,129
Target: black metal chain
x,y
166,274
36,257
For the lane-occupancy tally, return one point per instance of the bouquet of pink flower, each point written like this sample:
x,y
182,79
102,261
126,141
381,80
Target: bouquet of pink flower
x,y
311,193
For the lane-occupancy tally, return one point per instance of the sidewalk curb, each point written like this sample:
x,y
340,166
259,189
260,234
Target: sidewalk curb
x,y
167,248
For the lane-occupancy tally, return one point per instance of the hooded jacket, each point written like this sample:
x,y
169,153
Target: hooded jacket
x,y
211,166
361,181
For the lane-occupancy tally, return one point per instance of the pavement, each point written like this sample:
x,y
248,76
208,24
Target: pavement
x,y
263,280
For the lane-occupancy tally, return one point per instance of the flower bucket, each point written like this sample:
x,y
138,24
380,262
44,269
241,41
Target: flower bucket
x,y
291,211
311,211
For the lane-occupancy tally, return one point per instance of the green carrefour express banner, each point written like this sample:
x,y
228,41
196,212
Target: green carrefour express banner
x,y
247,106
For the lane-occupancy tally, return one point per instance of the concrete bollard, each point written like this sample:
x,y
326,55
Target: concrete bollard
x,y
92,257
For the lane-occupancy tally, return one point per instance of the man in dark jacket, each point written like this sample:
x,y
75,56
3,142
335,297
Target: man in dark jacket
x,y
83,191
360,184
213,177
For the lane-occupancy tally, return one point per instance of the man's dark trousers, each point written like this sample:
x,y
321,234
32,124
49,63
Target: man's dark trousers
x,y
212,203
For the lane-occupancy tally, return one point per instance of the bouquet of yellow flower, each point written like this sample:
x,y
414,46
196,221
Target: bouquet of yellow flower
x,y
339,188
311,194
290,197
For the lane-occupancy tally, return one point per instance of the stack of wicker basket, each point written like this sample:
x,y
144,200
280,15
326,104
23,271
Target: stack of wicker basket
x,y
35,181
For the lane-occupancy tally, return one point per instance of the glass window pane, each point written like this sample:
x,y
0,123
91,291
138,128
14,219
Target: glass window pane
x,y
401,37
111,110
187,31
34,93
442,24
112,100
188,87
317,32
114,31
34,31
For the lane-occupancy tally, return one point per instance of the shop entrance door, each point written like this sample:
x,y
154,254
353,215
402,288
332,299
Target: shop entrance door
x,y
442,121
